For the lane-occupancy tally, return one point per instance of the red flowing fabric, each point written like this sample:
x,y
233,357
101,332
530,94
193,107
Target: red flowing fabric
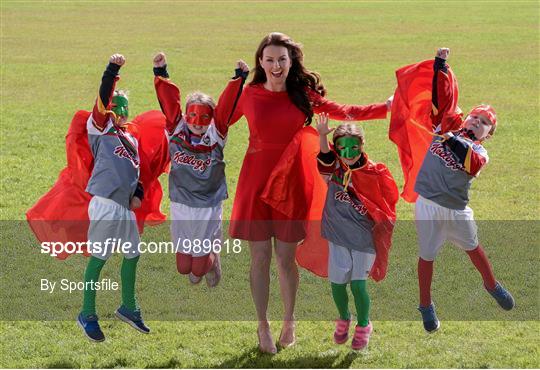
x,y
297,189
149,130
61,214
411,122
376,188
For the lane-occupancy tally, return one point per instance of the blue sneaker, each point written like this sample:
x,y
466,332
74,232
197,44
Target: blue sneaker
x,y
89,324
429,317
133,318
503,297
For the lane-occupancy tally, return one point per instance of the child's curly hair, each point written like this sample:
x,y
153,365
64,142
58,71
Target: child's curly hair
x,y
349,129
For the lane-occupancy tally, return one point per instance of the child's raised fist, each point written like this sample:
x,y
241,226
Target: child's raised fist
x,y
160,60
117,59
240,64
443,53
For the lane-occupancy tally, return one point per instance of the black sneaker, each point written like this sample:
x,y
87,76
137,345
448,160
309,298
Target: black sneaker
x,y
90,325
429,317
133,318
503,297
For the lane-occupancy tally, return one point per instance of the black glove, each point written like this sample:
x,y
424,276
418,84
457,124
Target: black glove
x,y
161,71
239,73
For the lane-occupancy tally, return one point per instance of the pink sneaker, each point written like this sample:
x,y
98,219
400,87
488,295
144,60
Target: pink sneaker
x,y
361,337
342,331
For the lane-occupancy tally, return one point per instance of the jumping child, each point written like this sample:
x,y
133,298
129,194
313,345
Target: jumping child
x,y
358,191
116,190
197,185
452,162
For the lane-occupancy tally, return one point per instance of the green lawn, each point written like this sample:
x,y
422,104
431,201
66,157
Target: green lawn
x,y
52,58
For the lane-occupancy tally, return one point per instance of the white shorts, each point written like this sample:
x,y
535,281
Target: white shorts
x,y
436,224
112,226
345,265
194,230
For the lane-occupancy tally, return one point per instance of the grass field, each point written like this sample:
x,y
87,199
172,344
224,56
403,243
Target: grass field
x,y
52,58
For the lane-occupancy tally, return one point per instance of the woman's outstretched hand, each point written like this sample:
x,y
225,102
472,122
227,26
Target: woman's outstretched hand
x,y
389,102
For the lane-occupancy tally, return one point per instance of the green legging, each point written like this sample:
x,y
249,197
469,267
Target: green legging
x,y
127,275
361,301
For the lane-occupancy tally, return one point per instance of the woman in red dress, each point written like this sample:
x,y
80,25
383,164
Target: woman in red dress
x,y
279,101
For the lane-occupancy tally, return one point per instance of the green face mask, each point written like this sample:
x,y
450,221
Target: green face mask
x,y
350,147
120,105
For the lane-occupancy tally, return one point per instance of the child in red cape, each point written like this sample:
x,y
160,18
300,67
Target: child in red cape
x,y
361,197
109,160
453,158
197,186
349,226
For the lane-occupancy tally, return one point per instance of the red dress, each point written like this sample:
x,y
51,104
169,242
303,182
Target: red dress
x,y
273,121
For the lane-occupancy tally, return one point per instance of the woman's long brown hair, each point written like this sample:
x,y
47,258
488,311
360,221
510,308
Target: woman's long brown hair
x,y
299,78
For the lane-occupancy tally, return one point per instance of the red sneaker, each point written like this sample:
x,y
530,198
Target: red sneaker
x,y
361,337
342,331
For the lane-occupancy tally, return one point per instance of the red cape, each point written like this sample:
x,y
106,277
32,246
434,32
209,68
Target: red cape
x,y
411,108
297,189
61,215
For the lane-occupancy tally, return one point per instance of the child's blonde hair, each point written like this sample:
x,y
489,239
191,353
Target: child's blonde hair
x,y
349,129
123,93
198,97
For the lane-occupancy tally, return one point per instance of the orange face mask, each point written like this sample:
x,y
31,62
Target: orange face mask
x,y
199,114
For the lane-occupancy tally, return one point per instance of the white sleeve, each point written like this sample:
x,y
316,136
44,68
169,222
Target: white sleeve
x,y
94,130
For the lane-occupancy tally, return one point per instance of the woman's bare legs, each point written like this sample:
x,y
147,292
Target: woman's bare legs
x,y
261,256
288,284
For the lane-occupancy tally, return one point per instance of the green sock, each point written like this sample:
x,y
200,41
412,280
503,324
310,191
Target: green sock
x,y
341,298
361,301
93,269
128,274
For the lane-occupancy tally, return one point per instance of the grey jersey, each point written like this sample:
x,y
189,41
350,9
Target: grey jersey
x,y
345,219
197,176
116,165
443,177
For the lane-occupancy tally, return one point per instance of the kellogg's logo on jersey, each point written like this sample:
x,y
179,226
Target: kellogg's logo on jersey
x,y
190,160
344,197
439,150
122,152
